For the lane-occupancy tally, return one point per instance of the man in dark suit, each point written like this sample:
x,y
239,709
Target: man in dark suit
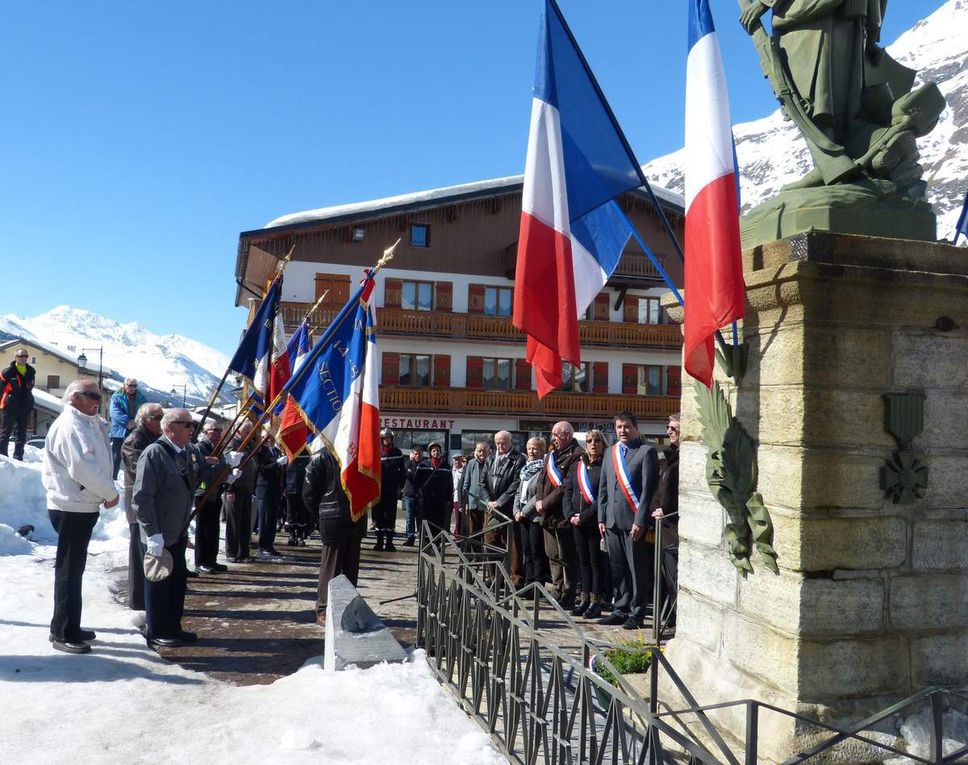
x,y
630,474
393,473
502,478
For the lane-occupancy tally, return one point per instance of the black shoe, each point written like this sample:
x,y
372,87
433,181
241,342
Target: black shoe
x,y
165,643
205,569
68,646
632,624
408,543
612,620
378,547
594,611
83,636
189,574
566,600
580,609
187,637
219,567
390,547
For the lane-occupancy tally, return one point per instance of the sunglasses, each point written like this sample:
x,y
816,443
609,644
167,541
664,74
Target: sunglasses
x,y
20,356
90,394
155,417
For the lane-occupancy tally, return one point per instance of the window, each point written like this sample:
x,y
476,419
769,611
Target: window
x,y
650,312
497,301
576,379
650,380
417,296
53,382
414,370
358,234
420,235
497,374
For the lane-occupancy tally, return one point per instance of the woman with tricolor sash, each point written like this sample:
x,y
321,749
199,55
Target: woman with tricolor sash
x,y
581,496
532,535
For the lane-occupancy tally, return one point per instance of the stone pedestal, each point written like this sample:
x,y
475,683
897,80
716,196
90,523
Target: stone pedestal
x,y
871,603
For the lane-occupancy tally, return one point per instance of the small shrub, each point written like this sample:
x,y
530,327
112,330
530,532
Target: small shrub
x,y
631,658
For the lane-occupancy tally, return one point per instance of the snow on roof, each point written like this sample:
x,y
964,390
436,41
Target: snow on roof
x,y
46,401
53,350
477,188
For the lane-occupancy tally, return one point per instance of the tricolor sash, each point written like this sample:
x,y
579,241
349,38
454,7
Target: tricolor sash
x,y
588,492
624,479
553,471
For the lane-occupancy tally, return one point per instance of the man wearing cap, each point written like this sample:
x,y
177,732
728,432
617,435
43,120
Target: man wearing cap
x,y
124,408
77,479
16,402
207,513
164,487
394,473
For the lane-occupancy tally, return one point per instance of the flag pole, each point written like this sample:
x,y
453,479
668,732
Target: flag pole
x,y
280,269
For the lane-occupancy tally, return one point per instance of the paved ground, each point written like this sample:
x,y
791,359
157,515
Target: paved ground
x,y
256,622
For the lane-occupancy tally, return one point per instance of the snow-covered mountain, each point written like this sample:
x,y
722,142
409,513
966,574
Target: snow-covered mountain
x,y
159,362
772,153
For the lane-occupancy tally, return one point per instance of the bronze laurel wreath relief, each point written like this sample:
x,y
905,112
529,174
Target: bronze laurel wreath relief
x,y
731,475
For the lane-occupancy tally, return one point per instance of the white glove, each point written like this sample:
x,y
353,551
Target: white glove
x,y
234,475
232,459
156,543
282,461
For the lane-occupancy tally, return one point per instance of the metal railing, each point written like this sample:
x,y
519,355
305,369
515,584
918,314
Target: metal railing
x,y
489,644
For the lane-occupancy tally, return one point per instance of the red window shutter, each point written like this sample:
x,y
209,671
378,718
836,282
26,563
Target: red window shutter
x,y
601,307
630,378
475,298
441,370
631,308
475,372
392,292
600,377
673,381
445,296
391,368
522,375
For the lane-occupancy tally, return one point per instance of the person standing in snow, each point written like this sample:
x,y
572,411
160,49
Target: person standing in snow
x,y
164,489
77,479
16,402
124,408
146,432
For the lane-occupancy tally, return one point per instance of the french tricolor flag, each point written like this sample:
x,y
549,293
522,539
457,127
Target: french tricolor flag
x,y
572,232
715,291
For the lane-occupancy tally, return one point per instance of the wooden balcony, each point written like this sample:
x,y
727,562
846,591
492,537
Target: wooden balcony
x,y
636,267
472,326
576,406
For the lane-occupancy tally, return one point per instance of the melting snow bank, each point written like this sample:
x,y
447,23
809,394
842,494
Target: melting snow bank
x,y
123,703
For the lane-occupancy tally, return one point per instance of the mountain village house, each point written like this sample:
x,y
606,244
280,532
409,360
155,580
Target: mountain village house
x,y
452,365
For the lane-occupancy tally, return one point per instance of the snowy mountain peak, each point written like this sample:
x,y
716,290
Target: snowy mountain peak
x,y
161,362
772,153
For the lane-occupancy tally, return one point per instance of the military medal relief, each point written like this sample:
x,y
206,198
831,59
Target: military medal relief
x,y
860,113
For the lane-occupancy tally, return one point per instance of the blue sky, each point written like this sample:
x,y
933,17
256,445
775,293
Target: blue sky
x,y
139,139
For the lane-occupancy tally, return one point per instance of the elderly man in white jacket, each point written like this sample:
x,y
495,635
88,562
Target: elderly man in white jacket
x,y
78,480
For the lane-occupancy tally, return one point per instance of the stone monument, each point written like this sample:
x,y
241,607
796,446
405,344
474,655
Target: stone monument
x,y
855,401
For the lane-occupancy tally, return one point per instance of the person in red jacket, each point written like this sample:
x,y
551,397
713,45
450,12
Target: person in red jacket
x,y
16,402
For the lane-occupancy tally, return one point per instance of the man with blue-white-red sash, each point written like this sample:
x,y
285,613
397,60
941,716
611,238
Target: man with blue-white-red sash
x,y
559,539
630,475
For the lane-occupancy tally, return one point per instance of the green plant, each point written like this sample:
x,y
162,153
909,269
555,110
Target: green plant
x,y
631,658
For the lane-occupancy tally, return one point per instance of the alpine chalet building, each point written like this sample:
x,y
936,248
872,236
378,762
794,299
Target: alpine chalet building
x,y
451,363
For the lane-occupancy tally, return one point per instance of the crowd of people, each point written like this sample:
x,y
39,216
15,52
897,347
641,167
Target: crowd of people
x,y
576,516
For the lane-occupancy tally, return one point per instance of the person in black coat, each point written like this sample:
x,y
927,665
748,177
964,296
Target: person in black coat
x,y
208,513
411,502
500,484
393,475
581,500
268,491
434,483
299,522
16,402
341,537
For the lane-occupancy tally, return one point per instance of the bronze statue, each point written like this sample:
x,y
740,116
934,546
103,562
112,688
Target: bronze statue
x,y
851,101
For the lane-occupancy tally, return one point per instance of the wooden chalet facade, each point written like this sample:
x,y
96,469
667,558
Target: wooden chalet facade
x,y
452,365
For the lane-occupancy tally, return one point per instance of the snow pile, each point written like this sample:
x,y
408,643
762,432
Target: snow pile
x,y
123,703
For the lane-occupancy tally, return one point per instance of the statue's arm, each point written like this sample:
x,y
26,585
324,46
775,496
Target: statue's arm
x,y
751,14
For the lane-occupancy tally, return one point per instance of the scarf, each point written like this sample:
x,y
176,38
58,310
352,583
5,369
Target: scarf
x,y
531,468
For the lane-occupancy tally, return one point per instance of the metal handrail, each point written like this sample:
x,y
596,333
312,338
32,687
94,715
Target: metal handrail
x,y
542,703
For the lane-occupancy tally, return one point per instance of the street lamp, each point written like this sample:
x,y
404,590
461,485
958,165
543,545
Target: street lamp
x,y
174,392
82,363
